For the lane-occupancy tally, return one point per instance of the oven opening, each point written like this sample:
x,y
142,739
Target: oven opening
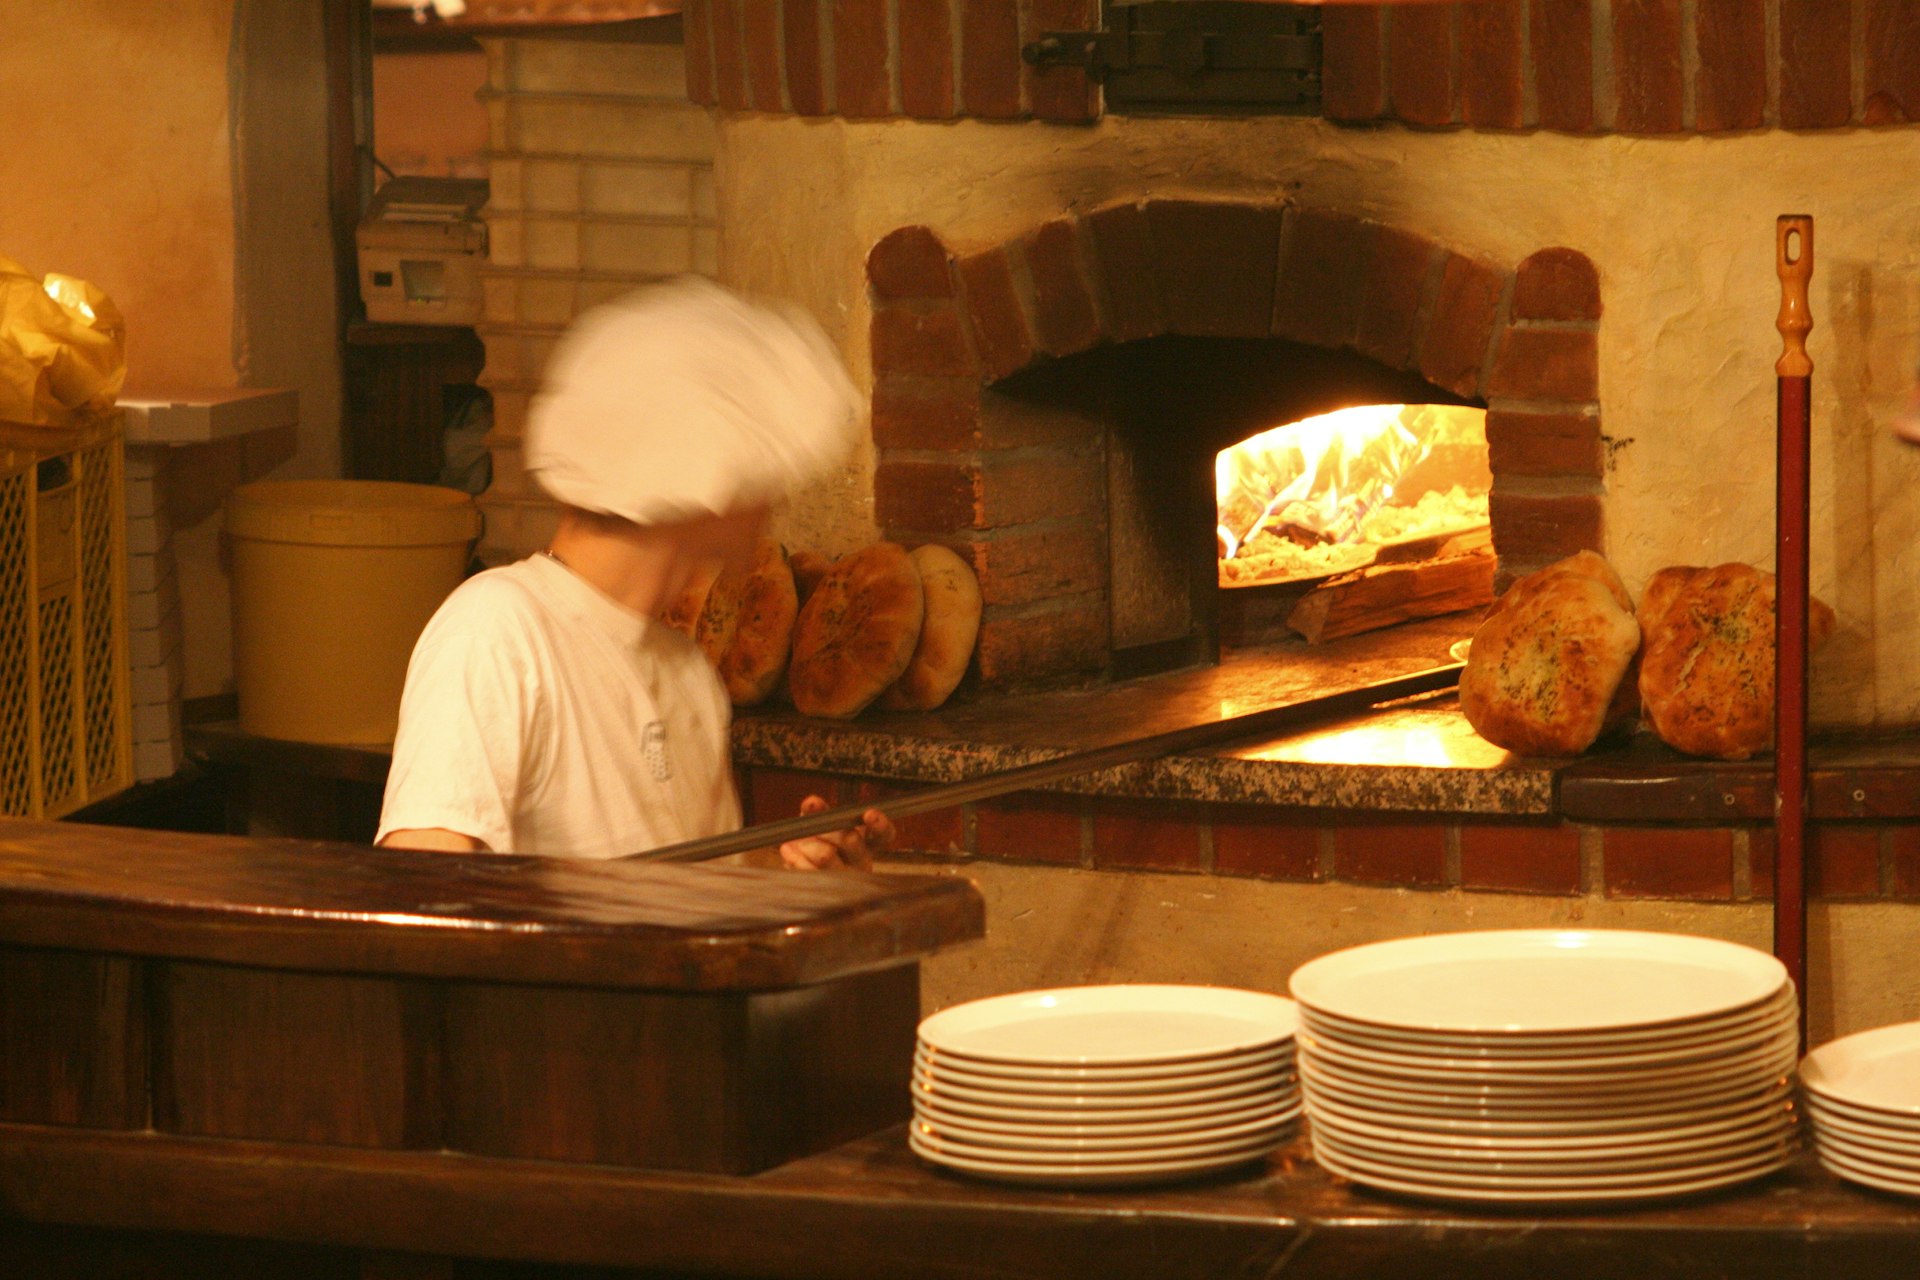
x,y
1329,494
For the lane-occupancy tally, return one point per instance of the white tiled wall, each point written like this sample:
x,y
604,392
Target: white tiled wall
x,y
601,178
153,618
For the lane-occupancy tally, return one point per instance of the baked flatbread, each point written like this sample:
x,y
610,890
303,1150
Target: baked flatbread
x,y
764,606
1545,671
947,633
1706,669
808,568
857,632
684,611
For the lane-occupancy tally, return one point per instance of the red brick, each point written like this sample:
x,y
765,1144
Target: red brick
x,y
912,340
926,413
1490,64
760,34
1216,262
1000,331
1063,314
1540,444
1030,828
729,56
1845,861
1903,860
1420,64
1816,64
862,70
1256,840
1534,528
1526,858
1547,364
1647,66
926,61
1063,94
1668,862
773,794
1730,87
928,497
1014,422
1561,33
990,63
696,24
1399,265
806,82
1761,848
1144,836
1055,638
1893,58
1454,349
938,831
1400,853
910,263
1556,284
1322,264
1353,84
1024,566
1128,286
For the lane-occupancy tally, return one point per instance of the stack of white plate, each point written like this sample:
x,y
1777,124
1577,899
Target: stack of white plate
x,y
1542,1066
1104,1086
1863,1095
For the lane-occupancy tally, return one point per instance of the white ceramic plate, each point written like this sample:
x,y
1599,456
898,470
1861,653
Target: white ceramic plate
x,y
1781,1025
1600,1128
1256,1083
1542,1044
941,1075
1657,1190
1112,1025
1778,1116
1143,1113
1255,1143
1553,1108
1524,981
1878,1069
1897,1136
939,1131
1277,1055
1535,1164
1072,1128
1893,1159
1533,1089
1142,1173
1891,1121
1777,1155
1869,1175
1600,1079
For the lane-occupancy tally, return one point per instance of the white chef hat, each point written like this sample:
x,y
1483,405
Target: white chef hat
x,y
683,399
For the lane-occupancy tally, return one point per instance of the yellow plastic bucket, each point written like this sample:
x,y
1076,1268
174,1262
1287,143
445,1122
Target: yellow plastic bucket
x,y
333,581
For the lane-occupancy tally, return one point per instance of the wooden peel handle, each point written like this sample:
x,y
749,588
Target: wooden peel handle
x,y
1793,259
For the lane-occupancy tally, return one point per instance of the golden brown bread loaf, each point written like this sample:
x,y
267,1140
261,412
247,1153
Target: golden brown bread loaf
x,y
857,631
1548,671
764,606
808,568
947,632
684,611
1706,666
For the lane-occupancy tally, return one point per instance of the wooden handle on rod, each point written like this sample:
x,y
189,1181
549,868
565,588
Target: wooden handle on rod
x,y
1793,259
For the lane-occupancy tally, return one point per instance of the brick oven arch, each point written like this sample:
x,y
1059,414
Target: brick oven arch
x,y
1523,340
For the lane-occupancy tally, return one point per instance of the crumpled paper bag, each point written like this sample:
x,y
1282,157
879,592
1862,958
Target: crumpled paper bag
x,y
62,347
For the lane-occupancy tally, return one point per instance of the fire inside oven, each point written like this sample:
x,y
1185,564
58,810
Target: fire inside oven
x,y
1325,495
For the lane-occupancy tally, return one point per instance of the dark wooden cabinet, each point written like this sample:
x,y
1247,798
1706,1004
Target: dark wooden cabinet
x,y
397,381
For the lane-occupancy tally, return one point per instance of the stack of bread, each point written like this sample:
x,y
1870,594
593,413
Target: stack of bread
x,y
1564,658
882,625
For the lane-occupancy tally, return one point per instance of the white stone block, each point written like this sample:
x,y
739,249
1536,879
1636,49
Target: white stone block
x,y
637,247
553,186
142,497
594,127
599,66
553,244
147,535
638,190
157,722
157,684
153,760
151,646
703,206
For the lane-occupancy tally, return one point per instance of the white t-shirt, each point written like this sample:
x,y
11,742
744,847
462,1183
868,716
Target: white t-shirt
x,y
540,716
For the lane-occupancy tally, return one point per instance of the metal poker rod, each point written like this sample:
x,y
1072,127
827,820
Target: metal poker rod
x,y
1025,777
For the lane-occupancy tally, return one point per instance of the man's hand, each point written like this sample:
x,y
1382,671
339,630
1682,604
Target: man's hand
x,y
853,848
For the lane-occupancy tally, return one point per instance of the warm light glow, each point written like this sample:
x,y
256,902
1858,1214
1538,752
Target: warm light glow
x,y
1355,475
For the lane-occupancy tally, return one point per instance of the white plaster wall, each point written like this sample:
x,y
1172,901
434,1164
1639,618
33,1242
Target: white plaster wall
x,y
1682,231
1051,927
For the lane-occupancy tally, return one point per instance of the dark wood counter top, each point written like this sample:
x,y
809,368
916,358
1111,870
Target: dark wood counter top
x,y
298,904
870,1209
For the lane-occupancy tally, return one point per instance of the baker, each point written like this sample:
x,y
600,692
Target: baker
x,y
545,710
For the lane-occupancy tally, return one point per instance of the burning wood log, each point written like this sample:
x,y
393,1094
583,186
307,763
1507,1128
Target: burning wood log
x,y
1383,594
